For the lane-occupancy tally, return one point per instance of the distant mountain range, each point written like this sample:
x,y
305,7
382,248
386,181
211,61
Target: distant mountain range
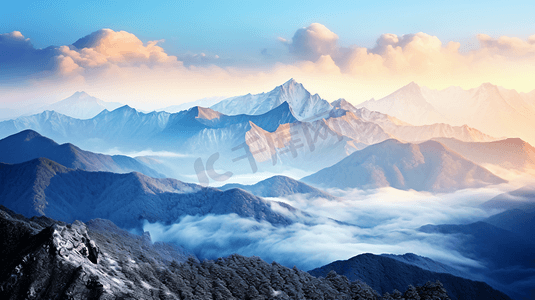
x,y
387,274
494,110
41,187
279,186
410,133
28,145
204,102
408,104
429,166
126,127
278,131
81,105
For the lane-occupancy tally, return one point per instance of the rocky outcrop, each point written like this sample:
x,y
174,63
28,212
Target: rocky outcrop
x,y
45,259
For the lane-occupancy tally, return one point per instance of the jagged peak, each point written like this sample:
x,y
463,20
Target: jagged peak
x,y
339,102
342,103
488,85
290,82
207,113
411,87
291,85
51,113
125,108
413,84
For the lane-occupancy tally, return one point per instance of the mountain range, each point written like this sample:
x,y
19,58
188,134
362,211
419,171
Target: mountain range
x,y
28,145
279,186
42,187
281,137
494,110
81,105
44,258
416,143
428,166
387,274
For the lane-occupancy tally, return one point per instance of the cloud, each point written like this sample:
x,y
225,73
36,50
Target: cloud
x,y
418,57
148,152
508,46
18,57
122,47
189,59
411,54
311,42
108,48
375,221
118,66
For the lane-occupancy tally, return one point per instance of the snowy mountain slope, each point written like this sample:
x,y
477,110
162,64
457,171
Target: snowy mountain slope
x,y
279,186
307,146
428,166
303,104
459,104
494,110
346,123
510,153
369,115
410,133
28,144
81,105
407,104
128,128
438,130
491,111
43,187
49,259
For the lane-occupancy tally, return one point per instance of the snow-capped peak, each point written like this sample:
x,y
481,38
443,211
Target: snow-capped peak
x,y
303,104
81,105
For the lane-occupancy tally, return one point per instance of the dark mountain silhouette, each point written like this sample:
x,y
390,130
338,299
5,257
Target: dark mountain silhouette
x,y
28,144
386,274
279,186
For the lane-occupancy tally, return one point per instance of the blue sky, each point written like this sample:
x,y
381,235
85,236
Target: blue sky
x,y
226,48
237,26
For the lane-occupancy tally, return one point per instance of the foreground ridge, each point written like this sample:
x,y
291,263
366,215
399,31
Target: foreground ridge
x,y
44,259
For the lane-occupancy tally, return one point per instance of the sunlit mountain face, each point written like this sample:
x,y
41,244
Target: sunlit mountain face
x,y
218,156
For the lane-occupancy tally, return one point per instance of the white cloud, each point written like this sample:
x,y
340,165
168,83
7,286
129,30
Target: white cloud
x,y
508,46
118,66
311,42
376,221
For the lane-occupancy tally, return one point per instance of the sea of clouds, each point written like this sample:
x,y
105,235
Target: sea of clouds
x,y
376,221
